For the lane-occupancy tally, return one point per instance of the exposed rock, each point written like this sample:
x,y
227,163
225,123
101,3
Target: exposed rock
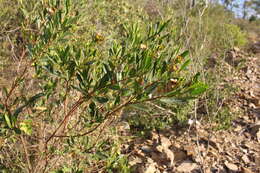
x,y
146,149
187,166
246,170
152,168
231,166
245,159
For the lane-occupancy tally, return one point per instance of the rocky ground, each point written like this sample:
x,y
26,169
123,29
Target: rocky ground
x,y
201,149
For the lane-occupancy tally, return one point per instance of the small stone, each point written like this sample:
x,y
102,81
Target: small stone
x,y
257,161
252,105
255,128
245,159
151,168
143,46
179,155
187,166
238,129
246,170
236,49
258,136
134,161
146,149
123,126
231,166
165,142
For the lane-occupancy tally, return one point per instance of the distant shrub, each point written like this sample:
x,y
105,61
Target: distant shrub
x,y
234,33
209,31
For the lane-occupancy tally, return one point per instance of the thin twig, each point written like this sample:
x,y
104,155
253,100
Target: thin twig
x,y
12,48
13,30
161,108
65,106
14,85
197,138
98,125
129,102
26,154
74,107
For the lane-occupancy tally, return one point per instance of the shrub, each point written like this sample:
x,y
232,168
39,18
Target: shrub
x,y
235,35
80,85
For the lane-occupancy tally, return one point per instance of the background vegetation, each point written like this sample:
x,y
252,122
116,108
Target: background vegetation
x,y
74,73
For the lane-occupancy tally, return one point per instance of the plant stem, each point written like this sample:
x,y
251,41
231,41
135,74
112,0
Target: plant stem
x,y
26,154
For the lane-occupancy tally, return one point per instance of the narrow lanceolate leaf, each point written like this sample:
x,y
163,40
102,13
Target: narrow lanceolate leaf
x,y
93,109
140,107
101,99
196,77
87,62
172,100
30,101
67,5
173,93
163,26
35,97
114,87
26,126
196,89
151,88
79,78
8,120
184,54
103,81
185,64
17,131
2,107
148,62
5,92
199,89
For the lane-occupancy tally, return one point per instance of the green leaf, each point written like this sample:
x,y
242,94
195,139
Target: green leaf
x,y
5,92
65,53
117,100
101,99
151,88
86,62
148,62
199,88
80,90
154,68
184,65
164,67
25,12
163,26
8,120
93,109
172,100
196,89
196,77
17,131
184,54
103,81
67,5
114,87
79,78
35,97
30,101
173,93
2,107
18,111
26,126
127,92
140,107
